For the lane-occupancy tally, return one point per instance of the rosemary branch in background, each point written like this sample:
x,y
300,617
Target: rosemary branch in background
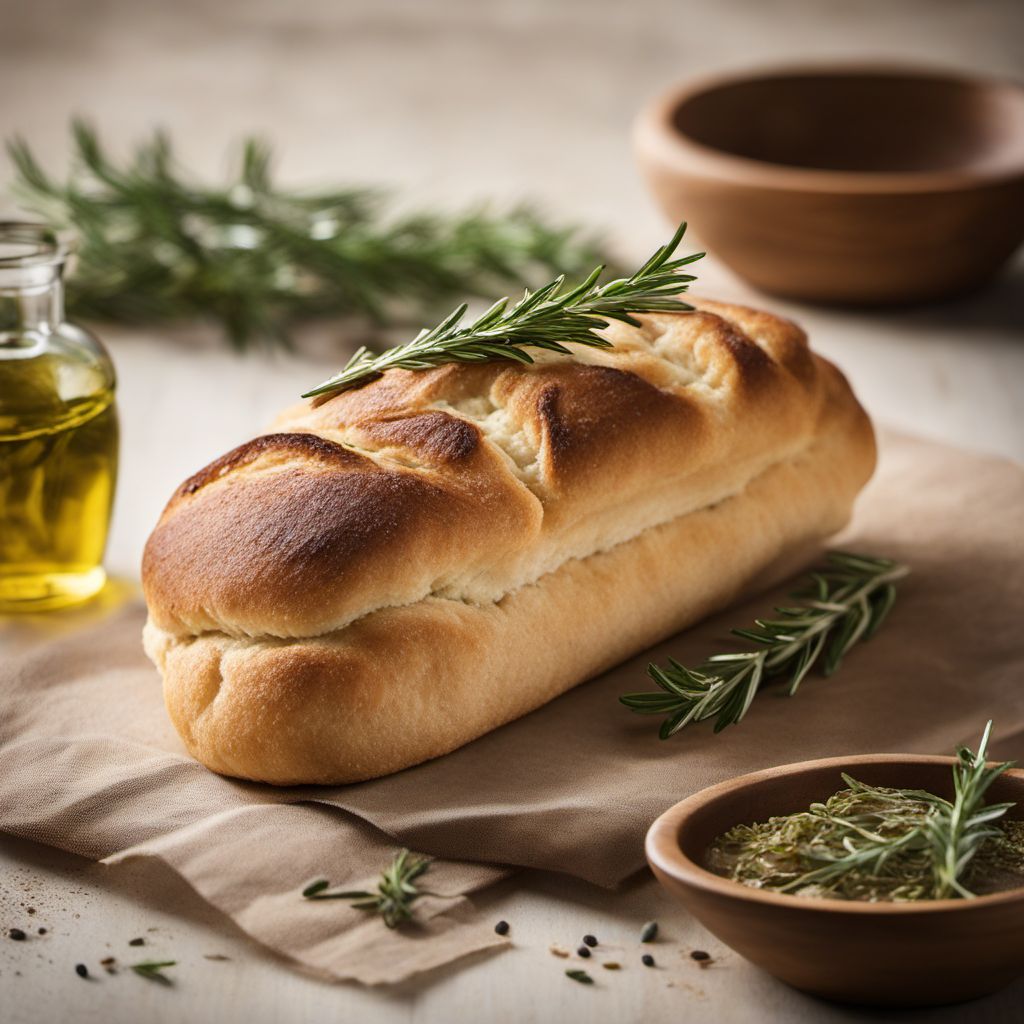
x,y
395,893
157,247
872,842
848,600
548,318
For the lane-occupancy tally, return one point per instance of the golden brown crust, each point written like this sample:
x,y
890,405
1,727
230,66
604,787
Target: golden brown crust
x,y
345,598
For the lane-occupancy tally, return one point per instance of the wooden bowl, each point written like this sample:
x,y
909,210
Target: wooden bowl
x,y
887,954
863,186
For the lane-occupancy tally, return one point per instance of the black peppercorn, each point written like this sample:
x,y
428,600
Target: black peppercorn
x,y
647,960
17,934
583,952
81,970
501,927
590,940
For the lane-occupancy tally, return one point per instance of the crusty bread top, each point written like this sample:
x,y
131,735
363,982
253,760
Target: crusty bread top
x,y
470,481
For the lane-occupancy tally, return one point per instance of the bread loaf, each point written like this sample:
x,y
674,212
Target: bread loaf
x,y
407,566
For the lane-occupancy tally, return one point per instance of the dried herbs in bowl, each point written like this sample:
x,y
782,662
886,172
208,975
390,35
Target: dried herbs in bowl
x,y
880,843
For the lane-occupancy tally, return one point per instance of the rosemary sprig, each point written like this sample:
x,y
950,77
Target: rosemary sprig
x,y
548,318
153,970
849,598
958,829
871,842
395,893
157,247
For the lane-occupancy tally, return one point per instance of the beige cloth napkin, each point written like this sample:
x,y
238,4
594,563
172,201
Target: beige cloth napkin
x,y
88,761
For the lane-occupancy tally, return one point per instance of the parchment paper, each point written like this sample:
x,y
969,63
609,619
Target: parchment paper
x,y
89,762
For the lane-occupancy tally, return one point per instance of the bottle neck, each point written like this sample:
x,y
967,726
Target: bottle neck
x,y
33,303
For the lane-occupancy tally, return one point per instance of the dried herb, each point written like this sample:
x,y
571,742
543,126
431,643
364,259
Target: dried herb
x,y
153,970
874,843
847,601
158,247
395,893
581,976
548,319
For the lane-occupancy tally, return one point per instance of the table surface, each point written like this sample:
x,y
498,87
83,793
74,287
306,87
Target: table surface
x,y
450,101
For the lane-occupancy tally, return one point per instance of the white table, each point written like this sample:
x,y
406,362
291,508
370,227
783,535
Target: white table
x,y
452,100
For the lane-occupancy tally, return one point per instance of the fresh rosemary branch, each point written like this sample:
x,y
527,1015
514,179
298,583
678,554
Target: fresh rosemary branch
x,y
548,318
395,893
848,601
156,247
871,842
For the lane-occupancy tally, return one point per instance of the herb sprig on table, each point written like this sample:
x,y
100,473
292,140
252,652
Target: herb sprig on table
x,y
158,247
396,890
846,601
549,318
872,842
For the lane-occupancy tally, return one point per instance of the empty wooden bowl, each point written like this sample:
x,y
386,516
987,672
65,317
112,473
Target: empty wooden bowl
x,y
863,186
890,954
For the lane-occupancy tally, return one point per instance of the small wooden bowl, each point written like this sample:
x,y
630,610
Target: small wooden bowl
x,y
863,186
886,954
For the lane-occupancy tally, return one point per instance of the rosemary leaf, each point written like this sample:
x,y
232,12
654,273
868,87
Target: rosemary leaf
x,y
550,318
153,970
844,604
157,247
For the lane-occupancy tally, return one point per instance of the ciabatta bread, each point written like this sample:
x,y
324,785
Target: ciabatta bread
x,y
405,567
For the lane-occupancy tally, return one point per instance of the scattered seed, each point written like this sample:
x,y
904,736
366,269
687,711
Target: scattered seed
x,y
558,951
17,934
649,932
108,960
136,942
81,970
30,910
647,960
590,940
501,927
611,965
583,951
699,954
215,956
42,931
581,976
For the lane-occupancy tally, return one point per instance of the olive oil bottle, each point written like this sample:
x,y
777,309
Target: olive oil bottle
x,y
58,432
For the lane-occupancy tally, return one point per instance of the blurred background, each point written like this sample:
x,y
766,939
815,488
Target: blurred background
x,y
456,101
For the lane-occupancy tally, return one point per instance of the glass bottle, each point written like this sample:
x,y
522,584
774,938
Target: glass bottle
x,y
58,432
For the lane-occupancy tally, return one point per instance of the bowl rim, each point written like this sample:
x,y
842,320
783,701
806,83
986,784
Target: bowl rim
x,y
665,854
655,130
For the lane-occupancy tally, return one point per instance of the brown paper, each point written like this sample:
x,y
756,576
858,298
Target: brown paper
x,y
88,761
